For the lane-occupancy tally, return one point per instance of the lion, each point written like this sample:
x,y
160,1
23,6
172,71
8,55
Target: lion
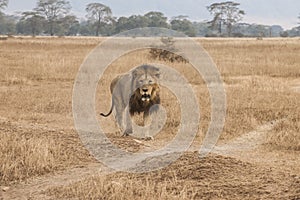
x,y
137,90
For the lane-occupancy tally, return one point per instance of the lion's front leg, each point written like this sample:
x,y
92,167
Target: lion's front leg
x,y
147,123
128,123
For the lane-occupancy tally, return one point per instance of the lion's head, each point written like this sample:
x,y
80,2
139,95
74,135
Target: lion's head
x,y
146,88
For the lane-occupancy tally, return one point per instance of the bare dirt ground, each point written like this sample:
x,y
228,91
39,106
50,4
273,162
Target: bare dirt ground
x,y
44,158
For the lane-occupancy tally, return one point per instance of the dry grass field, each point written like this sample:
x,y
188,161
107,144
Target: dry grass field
x,y
40,149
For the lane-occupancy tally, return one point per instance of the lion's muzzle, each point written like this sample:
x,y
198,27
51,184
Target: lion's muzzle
x,y
146,97
145,93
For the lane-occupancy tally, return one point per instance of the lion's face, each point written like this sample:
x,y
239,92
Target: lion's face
x,y
145,87
146,82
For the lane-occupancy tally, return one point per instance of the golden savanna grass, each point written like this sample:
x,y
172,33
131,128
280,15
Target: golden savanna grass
x,y
36,88
188,178
37,134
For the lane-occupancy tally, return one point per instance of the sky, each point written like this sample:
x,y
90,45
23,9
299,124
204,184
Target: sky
x,y
268,12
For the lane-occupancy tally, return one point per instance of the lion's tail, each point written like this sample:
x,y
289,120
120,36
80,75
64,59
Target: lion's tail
x,y
106,115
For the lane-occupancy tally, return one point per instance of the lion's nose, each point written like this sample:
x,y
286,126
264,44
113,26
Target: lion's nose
x,y
145,90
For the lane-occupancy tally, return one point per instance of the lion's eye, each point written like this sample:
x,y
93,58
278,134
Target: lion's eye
x,y
140,81
150,81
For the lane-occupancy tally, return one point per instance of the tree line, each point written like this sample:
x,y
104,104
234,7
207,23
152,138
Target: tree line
x,y
53,17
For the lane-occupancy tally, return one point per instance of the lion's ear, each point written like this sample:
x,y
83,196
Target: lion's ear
x,y
134,74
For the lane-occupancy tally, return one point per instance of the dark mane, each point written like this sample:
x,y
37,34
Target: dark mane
x,y
136,105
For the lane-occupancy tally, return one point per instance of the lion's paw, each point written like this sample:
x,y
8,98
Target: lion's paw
x,y
148,138
127,132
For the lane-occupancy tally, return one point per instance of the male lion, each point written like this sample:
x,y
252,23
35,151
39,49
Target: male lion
x,y
140,90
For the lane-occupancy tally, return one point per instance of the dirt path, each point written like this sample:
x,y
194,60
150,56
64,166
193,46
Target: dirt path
x,y
242,148
35,188
245,143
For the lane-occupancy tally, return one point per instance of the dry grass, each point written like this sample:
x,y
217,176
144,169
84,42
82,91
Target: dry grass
x,y
36,75
36,92
27,60
30,156
36,80
123,188
28,150
286,134
249,57
25,163
257,101
260,73
213,177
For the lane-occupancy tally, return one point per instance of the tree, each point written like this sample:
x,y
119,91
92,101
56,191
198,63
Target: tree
x,y
98,13
182,24
227,13
137,21
201,28
53,11
8,24
157,19
3,4
109,27
34,21
69,25
122,24
298,28
85,28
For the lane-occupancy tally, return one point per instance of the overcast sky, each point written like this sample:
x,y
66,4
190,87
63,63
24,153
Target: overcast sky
x,y
269,12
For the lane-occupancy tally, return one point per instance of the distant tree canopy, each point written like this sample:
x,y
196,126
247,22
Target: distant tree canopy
x,y
225,13
31,22
3,4
97,14
156,19
52,17
53,11
182,24
7,23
